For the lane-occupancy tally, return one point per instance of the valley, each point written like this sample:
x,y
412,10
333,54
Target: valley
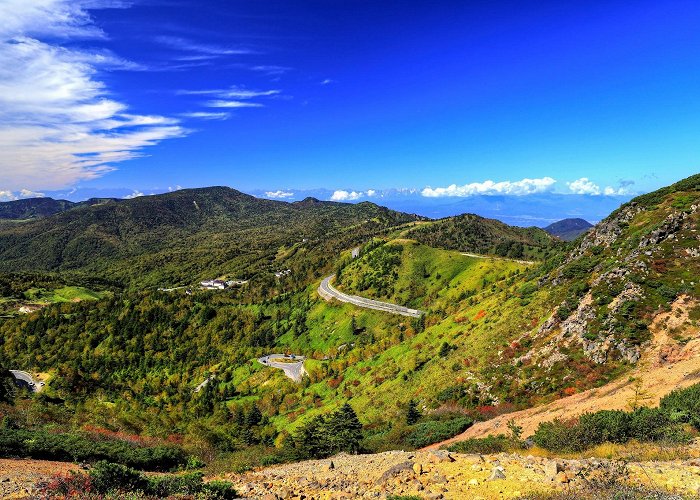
x,y
407,334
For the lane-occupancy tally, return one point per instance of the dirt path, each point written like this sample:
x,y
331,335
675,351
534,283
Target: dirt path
x,y
666,365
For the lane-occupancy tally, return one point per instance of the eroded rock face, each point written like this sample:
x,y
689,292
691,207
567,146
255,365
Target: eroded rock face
x,y
606,232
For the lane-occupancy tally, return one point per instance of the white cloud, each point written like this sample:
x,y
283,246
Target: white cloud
x,y
515,188
135,194
327,81
205,115
7,195
232,93
611,191
271,70
203,49
220,103
583,186
342,195
26,193
58,124
279,194
371,192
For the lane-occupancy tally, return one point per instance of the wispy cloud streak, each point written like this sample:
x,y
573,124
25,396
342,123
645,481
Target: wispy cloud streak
x,y
58,124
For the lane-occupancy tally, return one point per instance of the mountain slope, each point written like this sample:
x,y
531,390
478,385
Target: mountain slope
x,y
32,208
497,335
218,230
471,233
568,229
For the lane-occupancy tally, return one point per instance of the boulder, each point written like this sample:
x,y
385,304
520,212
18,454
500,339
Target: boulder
x,y
552,468
497,473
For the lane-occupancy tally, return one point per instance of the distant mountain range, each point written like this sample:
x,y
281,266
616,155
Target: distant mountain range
x,y
532,210
174,237
161,239
568,229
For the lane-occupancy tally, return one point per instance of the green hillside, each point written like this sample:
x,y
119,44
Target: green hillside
x,y
471,233
498,334
409,273
33,208
182,237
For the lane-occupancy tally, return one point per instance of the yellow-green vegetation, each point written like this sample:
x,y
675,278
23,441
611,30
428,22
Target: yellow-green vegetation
x,y
407,272
63,294
497,335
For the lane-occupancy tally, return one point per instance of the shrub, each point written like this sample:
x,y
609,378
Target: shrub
x,y
606,425
107,476
643,424
79,448
488,444
559,436
433,431
65,485
683,405
652,424
42,444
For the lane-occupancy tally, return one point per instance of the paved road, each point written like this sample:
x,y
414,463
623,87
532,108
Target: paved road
x,y
327,291
294,369
24,379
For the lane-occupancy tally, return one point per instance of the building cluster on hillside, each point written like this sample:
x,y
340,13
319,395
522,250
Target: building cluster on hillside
x,y
286,272
221,284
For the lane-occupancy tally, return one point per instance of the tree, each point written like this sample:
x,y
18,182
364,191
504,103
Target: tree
x,y
253,417
7,386
639,395
413,414
445,349
344,430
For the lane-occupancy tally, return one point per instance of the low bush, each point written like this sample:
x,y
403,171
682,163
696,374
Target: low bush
x,y
488,444
683,405
112,479
433,431
615,426
45,445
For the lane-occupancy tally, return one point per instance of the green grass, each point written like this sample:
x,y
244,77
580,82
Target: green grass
x,y
63,294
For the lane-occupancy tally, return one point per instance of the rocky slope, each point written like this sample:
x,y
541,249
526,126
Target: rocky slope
x,y
433,475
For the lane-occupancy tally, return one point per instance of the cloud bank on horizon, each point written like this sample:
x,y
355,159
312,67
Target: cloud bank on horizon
x,y
523,187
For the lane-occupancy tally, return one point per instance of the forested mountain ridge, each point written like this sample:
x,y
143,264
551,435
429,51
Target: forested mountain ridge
x,y
472,233
31,208
175,237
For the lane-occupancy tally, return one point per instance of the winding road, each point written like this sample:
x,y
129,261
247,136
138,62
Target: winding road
x,y
293,369
24,379
327,291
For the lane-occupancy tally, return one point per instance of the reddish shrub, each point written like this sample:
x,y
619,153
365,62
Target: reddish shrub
x,y
479,315
570,391
335,382
73,485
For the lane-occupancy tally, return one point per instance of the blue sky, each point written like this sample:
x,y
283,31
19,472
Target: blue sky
x,y
447,100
